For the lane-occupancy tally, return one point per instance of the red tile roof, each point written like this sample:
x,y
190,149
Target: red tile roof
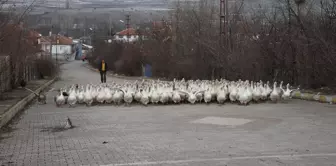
x,y
63,40
129,31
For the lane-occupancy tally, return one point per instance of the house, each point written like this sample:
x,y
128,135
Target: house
x,y
61,45
123,35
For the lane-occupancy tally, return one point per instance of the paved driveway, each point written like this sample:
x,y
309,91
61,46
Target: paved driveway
x,y
294,133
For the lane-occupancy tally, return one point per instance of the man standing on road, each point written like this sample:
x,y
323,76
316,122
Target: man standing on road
x,y
103,69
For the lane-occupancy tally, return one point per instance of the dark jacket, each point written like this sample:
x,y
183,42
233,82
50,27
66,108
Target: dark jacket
x,y
101,65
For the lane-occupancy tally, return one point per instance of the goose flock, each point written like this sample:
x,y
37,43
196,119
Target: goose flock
x,y
173,92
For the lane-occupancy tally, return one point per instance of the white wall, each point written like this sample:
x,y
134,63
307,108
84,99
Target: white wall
x,y
61,49
45,47
124,38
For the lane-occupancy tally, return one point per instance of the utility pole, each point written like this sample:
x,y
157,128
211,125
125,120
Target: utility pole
x,y
227,29
221,22
224,29
128,19
224,23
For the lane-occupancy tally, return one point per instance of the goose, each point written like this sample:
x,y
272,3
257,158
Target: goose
x,y
249,94
207,96
118,97
233,93
137,96
144,97
80,96
164,97
59,99
72,99
154,96
108,95
176,97
269,90
199,97
213,91
256,93
274,96
101,95
222,95
94,93
87,97
191,97
244,95
287,93
264,92
128,97
279,89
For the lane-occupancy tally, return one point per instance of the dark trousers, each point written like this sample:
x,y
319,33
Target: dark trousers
x,y
103,76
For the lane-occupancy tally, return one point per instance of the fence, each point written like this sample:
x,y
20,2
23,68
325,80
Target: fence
x,y
11,75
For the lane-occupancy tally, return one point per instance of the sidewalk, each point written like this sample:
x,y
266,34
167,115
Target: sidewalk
x,y
15,100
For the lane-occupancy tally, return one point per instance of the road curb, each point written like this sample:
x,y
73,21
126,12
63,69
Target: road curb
x,y
19,106
315,97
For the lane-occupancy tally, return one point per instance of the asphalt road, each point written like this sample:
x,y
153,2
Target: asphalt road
x,y
294,133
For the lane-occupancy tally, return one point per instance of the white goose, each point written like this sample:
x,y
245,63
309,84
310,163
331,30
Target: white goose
x,y
87,96
274,96
80,95
154,96
108,98
233,93
118,97
207,96
256,93
138,94
128,97
176,97
144,97
264,92
222,95
287,94
164,97
72,99
59,99
101,95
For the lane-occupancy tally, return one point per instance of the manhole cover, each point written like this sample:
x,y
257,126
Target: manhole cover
x,y
222,121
